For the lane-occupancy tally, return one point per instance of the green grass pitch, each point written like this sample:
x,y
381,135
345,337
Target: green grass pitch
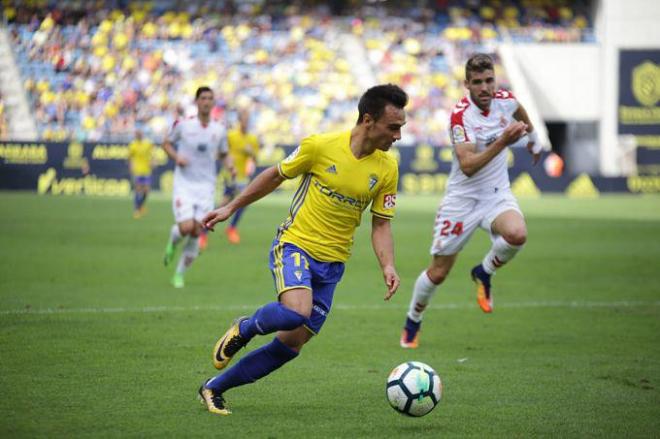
x,y
95,342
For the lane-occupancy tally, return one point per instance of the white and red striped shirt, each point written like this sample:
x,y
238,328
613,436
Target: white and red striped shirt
x,y
200,145
469,124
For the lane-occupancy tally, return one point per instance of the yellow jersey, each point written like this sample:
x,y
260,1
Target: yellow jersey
x,y
240,146
335,189
140,154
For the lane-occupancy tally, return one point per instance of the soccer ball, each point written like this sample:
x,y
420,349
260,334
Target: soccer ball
x,y
413,388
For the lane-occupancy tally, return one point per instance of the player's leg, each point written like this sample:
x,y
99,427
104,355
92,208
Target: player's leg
x,y
232,229
286,317
454,224
293,283
201,206
508,235
425,286
138,201
182,209
145,186
136,197
191,229
312,304
315,307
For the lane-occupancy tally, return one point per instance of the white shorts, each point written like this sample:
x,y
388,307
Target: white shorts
x,y
190,204
458,217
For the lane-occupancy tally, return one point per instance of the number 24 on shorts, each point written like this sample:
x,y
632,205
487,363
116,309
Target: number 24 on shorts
x,y
447,228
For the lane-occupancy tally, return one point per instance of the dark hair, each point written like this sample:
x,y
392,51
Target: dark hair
x,y
374,100
201,90
478,63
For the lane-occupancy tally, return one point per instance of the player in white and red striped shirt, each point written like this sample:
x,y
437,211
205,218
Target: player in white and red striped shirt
x,y
483,124
194,144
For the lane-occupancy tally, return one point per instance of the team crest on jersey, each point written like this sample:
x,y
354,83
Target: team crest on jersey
x,y
458,133
292,156
373,179
389,201
502,121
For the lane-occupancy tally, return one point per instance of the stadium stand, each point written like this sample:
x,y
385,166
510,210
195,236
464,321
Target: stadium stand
x,y
98,71
3,121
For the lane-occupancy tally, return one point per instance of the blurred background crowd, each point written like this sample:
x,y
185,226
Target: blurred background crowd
x,y
98,71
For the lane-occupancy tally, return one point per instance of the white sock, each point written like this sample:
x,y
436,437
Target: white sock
x,y
422,293
500,253
188,255
175,235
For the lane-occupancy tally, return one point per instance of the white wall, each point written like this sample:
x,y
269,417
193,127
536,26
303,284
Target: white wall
x,y
630,24
580,82
563,78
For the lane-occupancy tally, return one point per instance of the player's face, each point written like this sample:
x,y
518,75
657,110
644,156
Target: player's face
x,y
387,129
481,86
205,103
243,120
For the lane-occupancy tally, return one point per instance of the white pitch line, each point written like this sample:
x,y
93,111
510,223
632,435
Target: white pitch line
x,y
341,307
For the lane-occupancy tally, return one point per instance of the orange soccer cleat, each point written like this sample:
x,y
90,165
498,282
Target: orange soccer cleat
x,y
482,279
409,341
203,241
232,235
410,334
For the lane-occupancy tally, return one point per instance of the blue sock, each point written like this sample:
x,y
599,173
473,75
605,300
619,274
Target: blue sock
x,y
412,326
270,318
143,199
255,365
237,217
140,198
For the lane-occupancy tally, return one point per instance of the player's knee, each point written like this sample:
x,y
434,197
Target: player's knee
x,y
437,275
297,317
294,345
185,229
297,301
517,236
295,339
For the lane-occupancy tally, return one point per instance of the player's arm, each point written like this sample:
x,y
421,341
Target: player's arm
x,y
227,162
472,161
251,149
172,154
131,154
262,185
383,244
533,146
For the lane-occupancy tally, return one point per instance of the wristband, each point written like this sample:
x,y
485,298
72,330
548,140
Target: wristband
x,y
536,145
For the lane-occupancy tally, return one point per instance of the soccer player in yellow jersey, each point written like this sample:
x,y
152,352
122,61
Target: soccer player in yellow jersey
x,y
140,155
342,174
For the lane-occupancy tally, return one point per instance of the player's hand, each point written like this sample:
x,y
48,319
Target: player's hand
x,y
391,280
181,161
536,156
250,167
514,132
216,216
